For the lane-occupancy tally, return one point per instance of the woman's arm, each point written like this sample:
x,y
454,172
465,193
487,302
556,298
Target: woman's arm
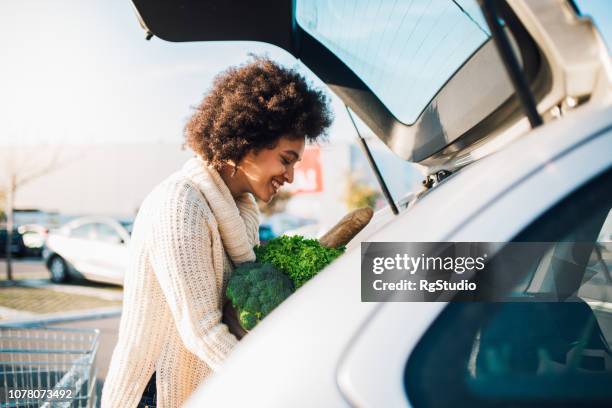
x,y
181,255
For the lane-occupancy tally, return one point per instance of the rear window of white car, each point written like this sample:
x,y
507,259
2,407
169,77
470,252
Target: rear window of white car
x,y
404,51
83,231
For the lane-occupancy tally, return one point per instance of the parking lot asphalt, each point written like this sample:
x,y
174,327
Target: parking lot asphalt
x,y
24,268
109,327
32,299
32,294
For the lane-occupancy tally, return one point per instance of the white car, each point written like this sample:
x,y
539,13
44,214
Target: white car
x,y
92,247
528,160
34,237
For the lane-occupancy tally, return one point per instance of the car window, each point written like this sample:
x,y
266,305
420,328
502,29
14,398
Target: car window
x,y
128,225
401,177
404,51
107,233
605,235
85,231
533,353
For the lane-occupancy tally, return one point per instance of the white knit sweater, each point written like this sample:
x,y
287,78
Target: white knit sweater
x,y
187,230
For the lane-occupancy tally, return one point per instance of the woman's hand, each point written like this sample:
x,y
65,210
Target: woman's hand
x,y
230,318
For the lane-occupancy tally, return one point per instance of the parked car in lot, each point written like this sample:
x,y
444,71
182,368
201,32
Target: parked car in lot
x,y
523,160
17,247
34,237
95,248
265,233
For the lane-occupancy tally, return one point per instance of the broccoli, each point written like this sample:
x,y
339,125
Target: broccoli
x,y
298,257
255,289
283,264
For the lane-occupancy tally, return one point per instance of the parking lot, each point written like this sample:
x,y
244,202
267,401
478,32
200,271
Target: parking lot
x,y
33,294
31,299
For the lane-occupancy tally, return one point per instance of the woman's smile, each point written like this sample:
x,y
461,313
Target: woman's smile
x,y
276,185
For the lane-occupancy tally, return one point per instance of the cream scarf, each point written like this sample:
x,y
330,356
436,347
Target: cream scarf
x,y
237,219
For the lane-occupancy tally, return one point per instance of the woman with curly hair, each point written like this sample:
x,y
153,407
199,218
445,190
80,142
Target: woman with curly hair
x,y
192,229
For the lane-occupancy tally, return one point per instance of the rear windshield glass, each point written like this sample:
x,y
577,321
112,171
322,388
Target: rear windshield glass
x,y
404,51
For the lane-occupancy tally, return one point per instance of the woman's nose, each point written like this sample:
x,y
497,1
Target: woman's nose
x,y
289,175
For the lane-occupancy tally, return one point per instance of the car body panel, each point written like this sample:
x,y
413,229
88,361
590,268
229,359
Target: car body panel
x,y
403,325
406,322
34,237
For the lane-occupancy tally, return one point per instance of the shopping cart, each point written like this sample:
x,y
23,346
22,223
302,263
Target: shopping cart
x,y
48,367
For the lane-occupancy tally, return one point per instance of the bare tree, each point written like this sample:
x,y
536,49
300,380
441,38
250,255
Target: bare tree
x,y
21,166
2,202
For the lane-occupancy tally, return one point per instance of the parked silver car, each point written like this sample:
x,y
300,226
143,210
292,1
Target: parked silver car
x,y
95,248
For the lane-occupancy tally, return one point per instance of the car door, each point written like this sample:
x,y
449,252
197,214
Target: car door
x,y
110,254
77,246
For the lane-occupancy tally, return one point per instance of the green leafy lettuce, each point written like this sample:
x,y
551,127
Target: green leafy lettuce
x,y
298,257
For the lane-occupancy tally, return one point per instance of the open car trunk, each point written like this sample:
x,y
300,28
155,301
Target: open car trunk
x,y
424,75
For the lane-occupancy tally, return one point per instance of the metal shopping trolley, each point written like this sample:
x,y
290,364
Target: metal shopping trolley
x,y
48,367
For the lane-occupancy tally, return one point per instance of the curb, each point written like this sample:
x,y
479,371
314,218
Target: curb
x,y
15,314
23,283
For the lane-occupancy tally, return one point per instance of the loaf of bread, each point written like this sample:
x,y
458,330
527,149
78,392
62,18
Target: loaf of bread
x,y
349,226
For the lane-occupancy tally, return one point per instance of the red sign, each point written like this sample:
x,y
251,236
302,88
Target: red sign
x,y
307,176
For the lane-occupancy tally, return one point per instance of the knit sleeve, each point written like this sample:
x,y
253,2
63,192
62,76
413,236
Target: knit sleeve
x,y
182,260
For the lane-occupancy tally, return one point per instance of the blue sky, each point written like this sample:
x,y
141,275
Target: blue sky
x,y
80,71
601,12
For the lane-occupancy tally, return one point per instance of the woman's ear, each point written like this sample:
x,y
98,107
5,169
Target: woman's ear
x,y
233,165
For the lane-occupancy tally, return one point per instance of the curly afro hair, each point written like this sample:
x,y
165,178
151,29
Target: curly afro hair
x,y
250,107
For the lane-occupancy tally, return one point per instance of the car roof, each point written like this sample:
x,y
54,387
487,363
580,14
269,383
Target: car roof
x,y
91,220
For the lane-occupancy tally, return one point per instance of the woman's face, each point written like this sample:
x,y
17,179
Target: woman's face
x,y
268,169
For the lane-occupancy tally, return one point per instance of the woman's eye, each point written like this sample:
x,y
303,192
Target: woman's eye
x,y
285,161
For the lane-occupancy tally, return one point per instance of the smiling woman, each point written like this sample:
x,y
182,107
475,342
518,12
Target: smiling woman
x,y
192,229
260,114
